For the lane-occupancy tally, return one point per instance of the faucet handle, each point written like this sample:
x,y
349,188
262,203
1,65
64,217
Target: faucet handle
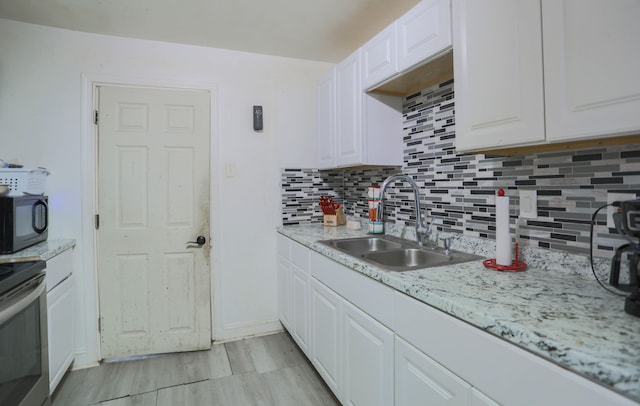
x,y
447,244
380,211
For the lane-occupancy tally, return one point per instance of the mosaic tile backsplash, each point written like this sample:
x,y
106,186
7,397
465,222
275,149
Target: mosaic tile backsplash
x,y
458,190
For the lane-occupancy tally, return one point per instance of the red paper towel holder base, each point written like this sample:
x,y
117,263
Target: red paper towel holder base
x,y
515,266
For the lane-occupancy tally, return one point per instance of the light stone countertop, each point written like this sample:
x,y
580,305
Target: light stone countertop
x,y
555,308
42,251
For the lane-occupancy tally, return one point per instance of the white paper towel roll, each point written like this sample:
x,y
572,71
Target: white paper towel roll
x,y
503,237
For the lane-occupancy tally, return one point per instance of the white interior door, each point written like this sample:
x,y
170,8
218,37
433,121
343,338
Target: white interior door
x,y
153,198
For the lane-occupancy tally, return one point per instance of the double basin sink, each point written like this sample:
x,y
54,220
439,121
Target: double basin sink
x,y
397,254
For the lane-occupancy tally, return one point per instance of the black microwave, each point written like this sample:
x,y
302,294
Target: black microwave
x,y
24,221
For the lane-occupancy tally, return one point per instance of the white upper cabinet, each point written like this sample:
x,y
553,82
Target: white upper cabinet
x,y
591,68
348,111
498,73
380,57
359,129
423,32
590,87
326,121
355,128
420,36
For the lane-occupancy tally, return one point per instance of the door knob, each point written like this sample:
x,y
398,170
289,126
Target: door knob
x,y
200,240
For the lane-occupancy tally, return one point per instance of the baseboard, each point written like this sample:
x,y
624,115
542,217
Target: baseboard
x,y
243,330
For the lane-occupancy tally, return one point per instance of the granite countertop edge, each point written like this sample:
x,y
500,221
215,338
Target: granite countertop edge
x,y
552,310
43,251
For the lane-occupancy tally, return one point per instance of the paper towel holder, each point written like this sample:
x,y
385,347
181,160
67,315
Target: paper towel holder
x,y
516,266
503,261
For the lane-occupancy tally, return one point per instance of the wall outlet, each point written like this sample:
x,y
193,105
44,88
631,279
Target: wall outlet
x,y
528,204
616,197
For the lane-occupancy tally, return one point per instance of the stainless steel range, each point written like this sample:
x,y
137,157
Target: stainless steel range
x,y
24,369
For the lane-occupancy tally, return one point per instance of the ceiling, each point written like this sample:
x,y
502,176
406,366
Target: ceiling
x,y
320,30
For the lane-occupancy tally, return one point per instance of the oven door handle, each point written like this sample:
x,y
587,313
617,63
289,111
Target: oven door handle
x,y
21,301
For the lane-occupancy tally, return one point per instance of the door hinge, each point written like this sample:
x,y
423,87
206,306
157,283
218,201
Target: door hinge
x,y
95,117
97,221
100,325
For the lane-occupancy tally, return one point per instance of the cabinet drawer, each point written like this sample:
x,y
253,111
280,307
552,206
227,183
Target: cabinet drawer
x,y
283,246
300,256
58,268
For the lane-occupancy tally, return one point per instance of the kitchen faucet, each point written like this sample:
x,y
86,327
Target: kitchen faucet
x,y
422,232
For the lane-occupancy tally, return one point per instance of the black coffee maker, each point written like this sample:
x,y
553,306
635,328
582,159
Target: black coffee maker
x,y
627,221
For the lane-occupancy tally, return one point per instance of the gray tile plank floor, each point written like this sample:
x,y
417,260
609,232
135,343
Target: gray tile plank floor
x,y
266,370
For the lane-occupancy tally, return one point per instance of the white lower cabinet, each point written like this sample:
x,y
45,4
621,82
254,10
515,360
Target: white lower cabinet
x,y
373,345
300,307
326,307
504,373
368,360
300,296
422,381
60,318
60,312
351,351
293,290
284,280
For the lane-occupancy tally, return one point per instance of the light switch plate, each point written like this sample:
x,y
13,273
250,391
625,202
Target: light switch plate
x,y
230,170
528,204
616,197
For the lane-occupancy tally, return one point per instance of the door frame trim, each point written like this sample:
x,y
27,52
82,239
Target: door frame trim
x,y
90,353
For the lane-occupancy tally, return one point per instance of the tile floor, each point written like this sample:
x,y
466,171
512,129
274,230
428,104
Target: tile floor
x,y
267,370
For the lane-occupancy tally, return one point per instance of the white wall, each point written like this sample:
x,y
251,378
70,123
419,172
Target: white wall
x,y
41,110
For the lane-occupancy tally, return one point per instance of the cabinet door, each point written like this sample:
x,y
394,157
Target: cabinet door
x,y
300,308
380,57
284,280
348,111
325,334
591,60
368,360
300,295
326,122
497,49
382,124
422,381
284,292
423,32
60,330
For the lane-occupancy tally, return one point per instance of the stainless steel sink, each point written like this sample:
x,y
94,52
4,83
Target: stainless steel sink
x,y
397,254
365,244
